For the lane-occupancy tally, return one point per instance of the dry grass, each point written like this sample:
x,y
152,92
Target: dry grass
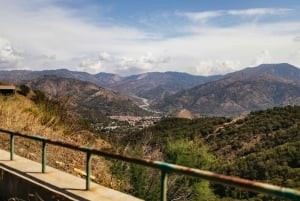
x,y
19,114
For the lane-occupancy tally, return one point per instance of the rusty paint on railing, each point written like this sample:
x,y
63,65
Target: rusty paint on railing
x,y
165,169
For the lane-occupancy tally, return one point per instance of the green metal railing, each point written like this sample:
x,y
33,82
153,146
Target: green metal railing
x,y
165,168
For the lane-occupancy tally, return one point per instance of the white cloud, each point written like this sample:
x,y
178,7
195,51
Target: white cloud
x,y
212,67
57,31
91,66
259,11
201,16
54,37
125,65
263,58
207,15
9,57
143,63
105,56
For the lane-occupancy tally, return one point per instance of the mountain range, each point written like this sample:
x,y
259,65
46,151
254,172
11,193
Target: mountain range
x,y
151,85
86,99
155,85
240,92
237,93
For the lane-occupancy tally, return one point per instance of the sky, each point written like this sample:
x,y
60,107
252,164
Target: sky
x,y
128,37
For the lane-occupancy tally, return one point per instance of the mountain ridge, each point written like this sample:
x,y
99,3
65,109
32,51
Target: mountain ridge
x,y
236,93
240,92
86,99
283,70
151,85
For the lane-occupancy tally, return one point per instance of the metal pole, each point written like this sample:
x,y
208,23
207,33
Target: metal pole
x,y
12,139
44,159
164,186
88,170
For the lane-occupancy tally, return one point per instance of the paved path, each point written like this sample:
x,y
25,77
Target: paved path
x,y
64,183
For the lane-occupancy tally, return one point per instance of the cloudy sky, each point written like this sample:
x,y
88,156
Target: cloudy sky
x,y
129,37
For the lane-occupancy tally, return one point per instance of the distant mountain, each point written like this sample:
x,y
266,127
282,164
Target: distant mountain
x,y
107,79
283,70
157,85
142,88
86,99
238,93
152,85
18,76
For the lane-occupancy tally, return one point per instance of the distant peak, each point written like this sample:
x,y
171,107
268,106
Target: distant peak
x,y
279,65
62,69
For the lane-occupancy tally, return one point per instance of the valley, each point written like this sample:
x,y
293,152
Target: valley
x,y
232,94
144,104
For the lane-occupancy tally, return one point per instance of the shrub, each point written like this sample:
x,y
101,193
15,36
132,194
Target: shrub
x,y
24,90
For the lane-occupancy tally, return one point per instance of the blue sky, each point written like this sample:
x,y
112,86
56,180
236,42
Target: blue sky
x,y
130,37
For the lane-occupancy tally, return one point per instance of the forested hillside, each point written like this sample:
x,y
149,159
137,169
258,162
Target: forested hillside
x,y
262,146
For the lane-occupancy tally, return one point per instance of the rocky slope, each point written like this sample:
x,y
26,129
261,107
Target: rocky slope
x,y
159,85
238,93
86,99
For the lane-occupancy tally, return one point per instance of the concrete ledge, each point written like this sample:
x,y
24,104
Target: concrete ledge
x,y
22,178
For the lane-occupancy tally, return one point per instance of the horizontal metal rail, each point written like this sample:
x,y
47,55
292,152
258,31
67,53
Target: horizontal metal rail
x,y
165,168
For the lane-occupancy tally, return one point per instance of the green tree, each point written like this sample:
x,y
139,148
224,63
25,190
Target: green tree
x,y
193,154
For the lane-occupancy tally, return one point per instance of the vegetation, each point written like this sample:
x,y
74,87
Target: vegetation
x,y
268,150
24,90
191,153
176,141
279,166
44,118
262,146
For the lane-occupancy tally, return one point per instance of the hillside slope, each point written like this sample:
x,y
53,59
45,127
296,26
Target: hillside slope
x,y
262,146
238,93
157,85
86,99
20,114
282,70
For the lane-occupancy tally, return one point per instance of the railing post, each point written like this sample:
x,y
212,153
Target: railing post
x,y
88,170
12,139
164,186
44,159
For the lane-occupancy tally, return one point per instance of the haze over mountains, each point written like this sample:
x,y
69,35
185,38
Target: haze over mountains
x,y
237,93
